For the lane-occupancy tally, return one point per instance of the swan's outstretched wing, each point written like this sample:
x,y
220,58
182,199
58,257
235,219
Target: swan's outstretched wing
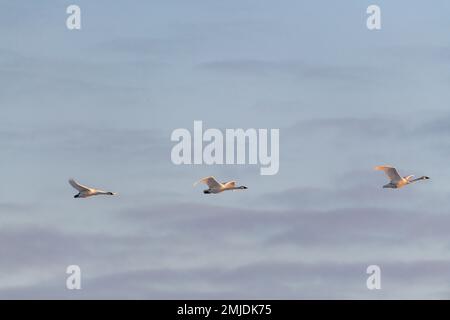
x,y
230,184
391,172
211,182
78,186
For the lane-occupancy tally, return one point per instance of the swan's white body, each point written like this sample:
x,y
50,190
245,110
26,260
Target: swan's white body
x,y
85,192
397,181
217,187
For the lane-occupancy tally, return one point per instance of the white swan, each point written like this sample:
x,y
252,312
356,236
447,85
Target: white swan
x,y
85,192
396,180
217,187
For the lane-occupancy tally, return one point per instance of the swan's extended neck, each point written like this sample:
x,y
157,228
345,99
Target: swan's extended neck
x,y
418,179
239,188
106,193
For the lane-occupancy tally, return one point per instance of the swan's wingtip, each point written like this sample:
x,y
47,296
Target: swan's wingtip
x,y
382,167
197,182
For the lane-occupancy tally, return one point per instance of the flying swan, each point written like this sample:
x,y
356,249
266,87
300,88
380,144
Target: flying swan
x,y
396,180
85,192
217,187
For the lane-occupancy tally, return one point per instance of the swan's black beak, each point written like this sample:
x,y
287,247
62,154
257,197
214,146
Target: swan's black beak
x,y
244,187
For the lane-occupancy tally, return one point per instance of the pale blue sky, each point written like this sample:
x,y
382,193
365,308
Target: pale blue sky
x,y
100,104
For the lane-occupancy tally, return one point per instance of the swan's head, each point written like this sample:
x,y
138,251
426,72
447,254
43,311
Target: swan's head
x,y
426,178
243,187
111,193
